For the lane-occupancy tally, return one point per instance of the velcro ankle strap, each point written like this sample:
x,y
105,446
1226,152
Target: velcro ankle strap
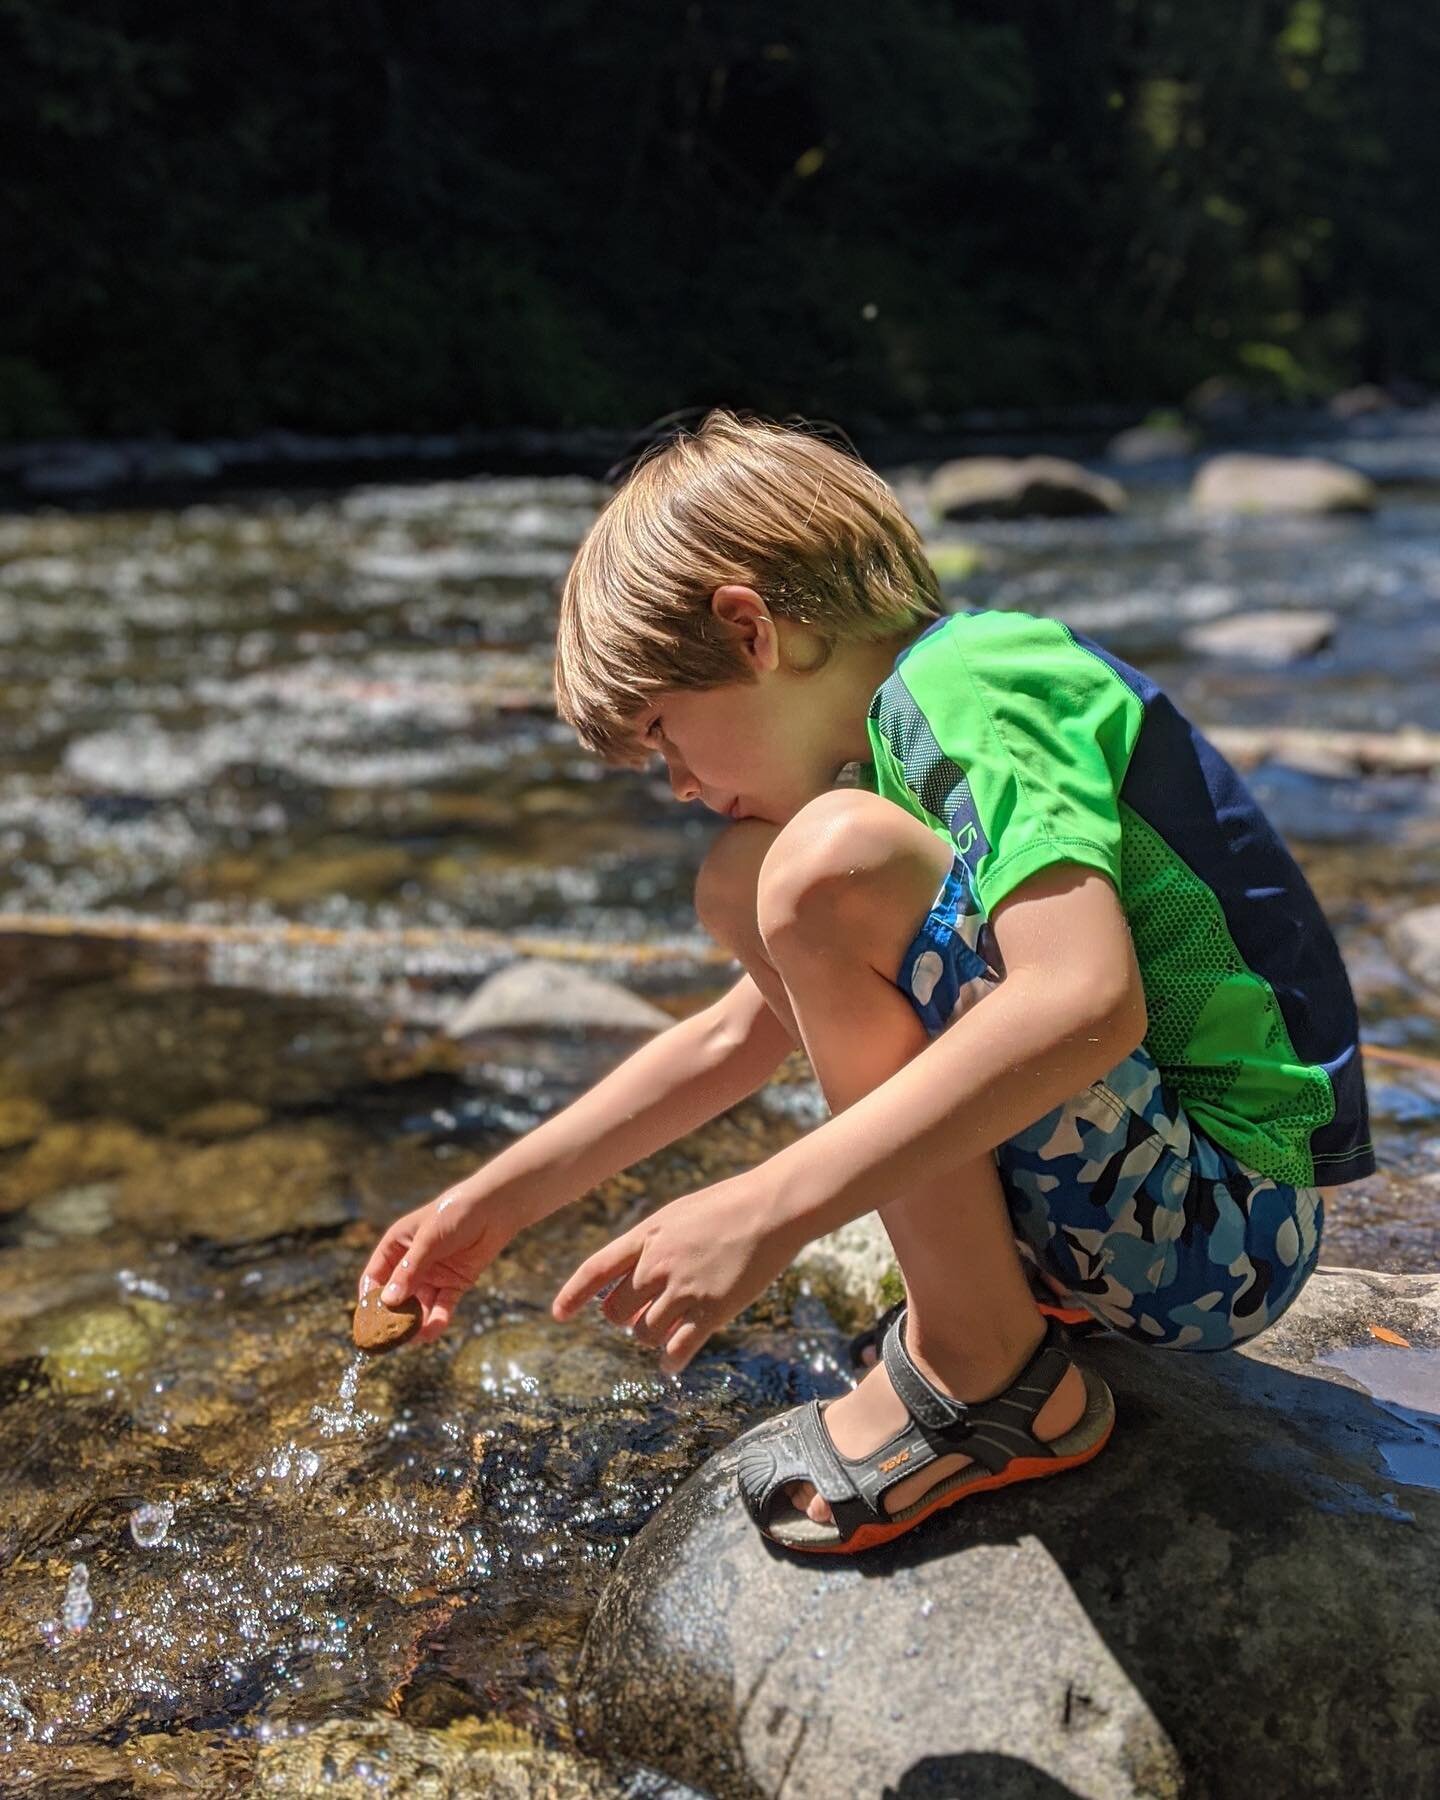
x,y
925,1403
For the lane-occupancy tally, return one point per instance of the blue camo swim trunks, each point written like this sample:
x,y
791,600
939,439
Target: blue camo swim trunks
x,y
1151,1226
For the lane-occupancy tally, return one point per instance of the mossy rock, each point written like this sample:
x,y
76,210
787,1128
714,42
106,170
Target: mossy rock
x,y
88,1351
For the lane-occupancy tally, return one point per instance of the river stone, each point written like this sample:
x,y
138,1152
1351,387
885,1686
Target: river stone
x,y
1415,938
65,1156
851,1272
1030,487
379,1327
542,995
1172,1619
1272,636
1360,402
1242,483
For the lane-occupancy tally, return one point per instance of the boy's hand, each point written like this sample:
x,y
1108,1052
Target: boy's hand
x,y
688,1269
435,1253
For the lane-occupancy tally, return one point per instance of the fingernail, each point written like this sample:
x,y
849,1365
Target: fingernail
x,y
393,1294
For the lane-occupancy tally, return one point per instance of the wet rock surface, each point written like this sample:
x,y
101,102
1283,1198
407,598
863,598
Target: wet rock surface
x,y
1246,1520
553,996
1265,636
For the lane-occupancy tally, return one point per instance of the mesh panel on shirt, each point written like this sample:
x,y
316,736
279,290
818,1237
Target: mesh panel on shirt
x,y
1186,955
929,773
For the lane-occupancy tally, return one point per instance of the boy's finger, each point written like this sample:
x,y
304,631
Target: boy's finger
x,y
597,1271
625,1300
685,1341
439,1311
659,1321
383,1259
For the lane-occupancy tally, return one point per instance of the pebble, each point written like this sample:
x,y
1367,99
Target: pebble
x,y
381,1327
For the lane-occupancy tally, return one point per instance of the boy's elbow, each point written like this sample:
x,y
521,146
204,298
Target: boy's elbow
x,y
1118,1018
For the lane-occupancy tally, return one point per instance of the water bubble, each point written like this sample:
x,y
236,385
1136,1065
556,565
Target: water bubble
x,y
131,1283
280,1464
17,1722
307,1465
78,1605
926,1608
150,1523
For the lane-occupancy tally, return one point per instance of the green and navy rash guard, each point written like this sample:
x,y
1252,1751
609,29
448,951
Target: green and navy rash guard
x,y
1023,745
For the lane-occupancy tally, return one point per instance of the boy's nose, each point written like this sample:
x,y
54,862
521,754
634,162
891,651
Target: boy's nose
x,y
683,784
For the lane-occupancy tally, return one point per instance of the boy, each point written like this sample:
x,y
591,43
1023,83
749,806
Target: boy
x,y
1058,978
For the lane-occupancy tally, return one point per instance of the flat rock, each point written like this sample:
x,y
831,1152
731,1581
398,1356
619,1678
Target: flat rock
x,y
1415,938
1028,487
850,1271
376,1326
1257,1546
1268,636
1242,483
541,995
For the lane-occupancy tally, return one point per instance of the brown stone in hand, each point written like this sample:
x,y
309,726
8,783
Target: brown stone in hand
x,y
380,1327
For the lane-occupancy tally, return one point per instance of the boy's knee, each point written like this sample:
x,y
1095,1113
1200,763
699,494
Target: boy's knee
x,y
848,862
725,888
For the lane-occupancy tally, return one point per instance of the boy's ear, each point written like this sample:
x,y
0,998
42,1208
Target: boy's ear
x,y
756,637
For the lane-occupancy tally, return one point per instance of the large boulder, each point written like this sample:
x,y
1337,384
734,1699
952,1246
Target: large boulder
x,y
1241,483
1236,1598
1030,487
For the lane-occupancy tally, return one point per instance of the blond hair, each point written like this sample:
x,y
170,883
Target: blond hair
x,y
817,534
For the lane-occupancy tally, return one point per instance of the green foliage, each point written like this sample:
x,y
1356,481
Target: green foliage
x,y
369,216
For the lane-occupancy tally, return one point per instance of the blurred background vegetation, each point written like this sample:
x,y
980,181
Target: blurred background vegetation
x,y
366,215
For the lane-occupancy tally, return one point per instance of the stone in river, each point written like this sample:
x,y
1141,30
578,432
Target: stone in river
x,y
1415,937
553,996
381,1327
1243,483
1269,635
1261,1533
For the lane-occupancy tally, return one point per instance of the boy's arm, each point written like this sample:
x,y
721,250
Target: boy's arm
x,y
1071,1006
686,1075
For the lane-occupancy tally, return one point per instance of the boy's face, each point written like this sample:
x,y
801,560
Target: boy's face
x,y
764,748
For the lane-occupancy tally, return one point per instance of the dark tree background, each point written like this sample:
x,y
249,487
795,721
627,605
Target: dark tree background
x,y
341,214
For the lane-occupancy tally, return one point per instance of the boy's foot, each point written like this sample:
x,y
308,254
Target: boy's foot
x,y
859,1422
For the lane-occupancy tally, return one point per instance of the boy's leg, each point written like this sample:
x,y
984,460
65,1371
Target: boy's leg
x,y
821,914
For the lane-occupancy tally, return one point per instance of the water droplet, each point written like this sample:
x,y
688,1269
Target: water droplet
x,y
307,1465
78,1605
150,1523
926,1608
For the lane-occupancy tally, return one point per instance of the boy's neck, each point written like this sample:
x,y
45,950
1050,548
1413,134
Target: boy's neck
x,y
864,668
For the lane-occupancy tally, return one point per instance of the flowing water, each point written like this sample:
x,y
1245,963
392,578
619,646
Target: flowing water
x,y
219,1530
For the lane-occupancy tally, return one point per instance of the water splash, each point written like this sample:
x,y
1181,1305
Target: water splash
x,y
78,1605
150,1523
345,1417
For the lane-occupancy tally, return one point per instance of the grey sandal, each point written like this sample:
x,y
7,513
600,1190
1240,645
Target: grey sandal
x,y
996,1433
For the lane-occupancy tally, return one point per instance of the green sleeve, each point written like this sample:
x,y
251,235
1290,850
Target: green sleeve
x,y
1016,739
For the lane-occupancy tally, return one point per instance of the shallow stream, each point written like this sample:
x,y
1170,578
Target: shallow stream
x,y
216,1533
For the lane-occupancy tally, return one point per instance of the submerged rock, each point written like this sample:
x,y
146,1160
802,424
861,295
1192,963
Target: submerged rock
x,y
87,1351
1030,487
1250,1516
69,1156
292,1178
149,1057
353,1759
21,1121
1242,483
553,996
